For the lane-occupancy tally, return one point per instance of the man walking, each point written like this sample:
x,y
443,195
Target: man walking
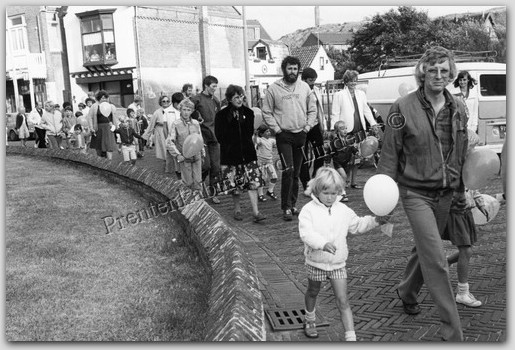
x,y
289,109
424,149
313,149
206,107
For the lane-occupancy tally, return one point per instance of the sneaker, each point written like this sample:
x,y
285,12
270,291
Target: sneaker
x,y
259,217
295,211
287,216
271,195
261,198
344,198
468,300
310,329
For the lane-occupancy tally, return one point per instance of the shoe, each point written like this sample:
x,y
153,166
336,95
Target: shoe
x,y
271,195
215,200
310,329
259,217
357,187
295,211
468,300
237,216
344,198
410,309
287,216
261,198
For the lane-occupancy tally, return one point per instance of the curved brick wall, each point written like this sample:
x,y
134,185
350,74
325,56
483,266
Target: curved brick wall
x,y
235,302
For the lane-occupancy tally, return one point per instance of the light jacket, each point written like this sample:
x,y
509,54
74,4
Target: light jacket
x,y
180,130
289,107
343,109
52,122
319,225
411,153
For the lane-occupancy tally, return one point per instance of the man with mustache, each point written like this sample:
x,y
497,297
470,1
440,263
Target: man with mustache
x,y
289,109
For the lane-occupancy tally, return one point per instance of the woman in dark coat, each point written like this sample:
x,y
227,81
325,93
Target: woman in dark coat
x,y
234,127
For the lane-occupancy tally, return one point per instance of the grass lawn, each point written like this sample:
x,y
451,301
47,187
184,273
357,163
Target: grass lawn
x,y
67,280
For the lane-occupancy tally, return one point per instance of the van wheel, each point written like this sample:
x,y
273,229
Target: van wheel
x,y
13,136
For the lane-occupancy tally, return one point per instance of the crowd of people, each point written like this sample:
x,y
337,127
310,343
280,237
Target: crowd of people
x,y
426,130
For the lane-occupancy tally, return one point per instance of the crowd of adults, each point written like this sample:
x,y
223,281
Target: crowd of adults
x,y
433,135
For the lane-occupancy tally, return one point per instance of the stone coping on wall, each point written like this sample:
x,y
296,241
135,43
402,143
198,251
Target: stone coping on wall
x,y
235,301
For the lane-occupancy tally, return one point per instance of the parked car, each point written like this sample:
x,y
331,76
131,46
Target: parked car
x,y
12,133
385,86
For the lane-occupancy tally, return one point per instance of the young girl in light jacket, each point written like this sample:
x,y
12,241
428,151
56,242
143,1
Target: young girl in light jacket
x,y
323,226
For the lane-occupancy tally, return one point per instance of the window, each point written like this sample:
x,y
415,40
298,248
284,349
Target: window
x,y
98,42
322,63
493,84
261,53
17,35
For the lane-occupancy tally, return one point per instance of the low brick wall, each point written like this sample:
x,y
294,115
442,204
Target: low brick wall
x,y
235,301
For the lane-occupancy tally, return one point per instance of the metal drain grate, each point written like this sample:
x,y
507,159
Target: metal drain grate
x,y
282,319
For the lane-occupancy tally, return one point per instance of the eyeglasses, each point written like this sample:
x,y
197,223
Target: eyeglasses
x,y
237,97
166,101
434,72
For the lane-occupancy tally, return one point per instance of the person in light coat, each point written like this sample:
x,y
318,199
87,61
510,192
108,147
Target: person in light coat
x,y
52,122
324,224
350,106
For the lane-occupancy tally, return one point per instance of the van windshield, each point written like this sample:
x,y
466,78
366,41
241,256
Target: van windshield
x,y
493,84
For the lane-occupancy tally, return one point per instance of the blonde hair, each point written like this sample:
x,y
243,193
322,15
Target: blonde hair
x,y
186,103
326,178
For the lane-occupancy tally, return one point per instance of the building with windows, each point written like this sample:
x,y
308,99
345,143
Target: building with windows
x,y
35,62
151,50
315,57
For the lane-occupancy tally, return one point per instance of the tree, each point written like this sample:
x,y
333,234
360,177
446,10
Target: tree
x,y
405,32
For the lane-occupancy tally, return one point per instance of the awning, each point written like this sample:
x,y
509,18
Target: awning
x,y
89,77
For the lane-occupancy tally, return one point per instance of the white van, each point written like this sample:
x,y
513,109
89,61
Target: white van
x,y
385,86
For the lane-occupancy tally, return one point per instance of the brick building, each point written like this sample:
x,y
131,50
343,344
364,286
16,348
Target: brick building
x,y
35,63
151,50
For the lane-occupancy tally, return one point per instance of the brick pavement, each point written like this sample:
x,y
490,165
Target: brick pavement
x,y
375,266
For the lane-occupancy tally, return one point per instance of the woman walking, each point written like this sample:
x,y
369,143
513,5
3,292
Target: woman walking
x,y
234,128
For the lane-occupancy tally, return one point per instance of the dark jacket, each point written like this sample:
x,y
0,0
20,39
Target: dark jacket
x,y
411,153
206,107
235,135
127,135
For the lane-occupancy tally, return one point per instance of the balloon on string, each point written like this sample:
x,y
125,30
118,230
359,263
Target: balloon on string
x,y
381,194
258,117
480,166
492,206
193,144
369,146
105,109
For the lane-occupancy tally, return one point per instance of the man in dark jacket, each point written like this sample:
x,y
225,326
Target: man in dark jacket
x,y
424,149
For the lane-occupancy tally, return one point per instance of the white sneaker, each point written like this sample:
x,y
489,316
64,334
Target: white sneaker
x,y
468,300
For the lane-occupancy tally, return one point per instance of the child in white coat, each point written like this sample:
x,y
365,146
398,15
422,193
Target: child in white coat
x,y
324,223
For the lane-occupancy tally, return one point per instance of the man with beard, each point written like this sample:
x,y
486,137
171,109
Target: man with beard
x,y
289,109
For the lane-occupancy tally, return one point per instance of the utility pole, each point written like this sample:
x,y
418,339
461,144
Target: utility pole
x,y
203,29
246,57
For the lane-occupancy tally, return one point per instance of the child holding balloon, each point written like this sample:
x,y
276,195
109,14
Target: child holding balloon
x,y
187,151
324,223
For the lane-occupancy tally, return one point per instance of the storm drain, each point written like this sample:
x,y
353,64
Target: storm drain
x,y
282,319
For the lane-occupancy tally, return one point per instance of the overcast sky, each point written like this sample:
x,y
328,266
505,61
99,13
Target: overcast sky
x,y
281,20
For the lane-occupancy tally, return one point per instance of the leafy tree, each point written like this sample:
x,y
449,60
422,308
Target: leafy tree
x,y
406,31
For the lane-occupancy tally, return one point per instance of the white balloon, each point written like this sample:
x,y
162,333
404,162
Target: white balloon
x,y
258,117
381,194
105,109
492,207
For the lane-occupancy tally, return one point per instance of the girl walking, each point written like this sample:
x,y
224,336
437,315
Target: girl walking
x,y
324,223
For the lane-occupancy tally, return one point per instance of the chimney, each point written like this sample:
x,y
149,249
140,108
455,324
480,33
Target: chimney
x,y
317,16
